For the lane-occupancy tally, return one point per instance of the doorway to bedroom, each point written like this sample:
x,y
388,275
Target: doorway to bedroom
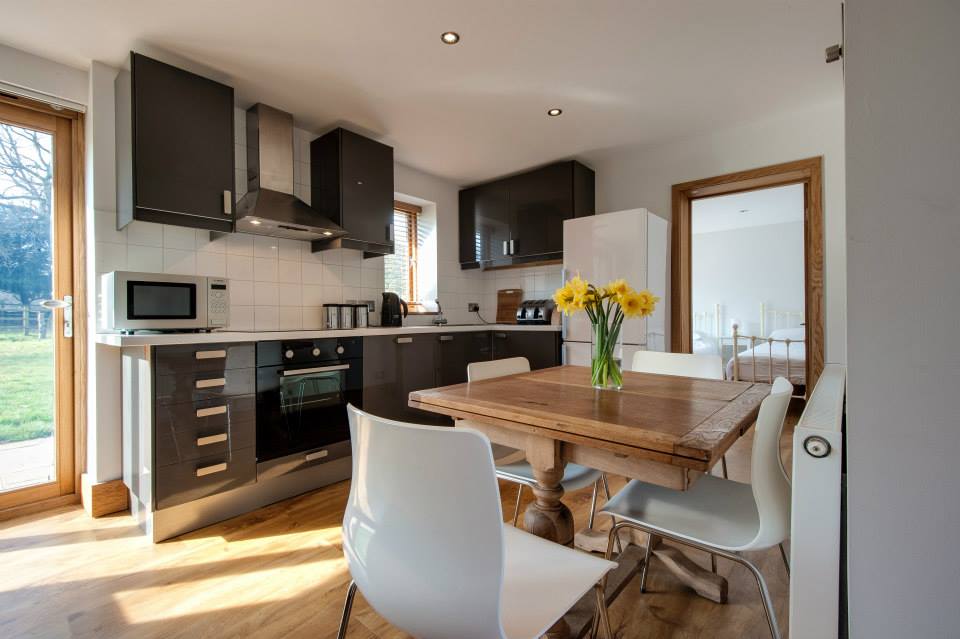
x,y
748,264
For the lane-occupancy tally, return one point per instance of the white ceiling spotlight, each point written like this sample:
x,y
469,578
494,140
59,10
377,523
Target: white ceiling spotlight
x,y
450,37
554,112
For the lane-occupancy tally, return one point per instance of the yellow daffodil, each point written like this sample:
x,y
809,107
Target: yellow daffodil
x,y
617,288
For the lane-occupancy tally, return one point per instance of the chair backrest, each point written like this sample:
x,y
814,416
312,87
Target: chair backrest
x,y
685,364
771,487
497,368
423,528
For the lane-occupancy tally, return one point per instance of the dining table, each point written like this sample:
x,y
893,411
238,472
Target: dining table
x,y
662,429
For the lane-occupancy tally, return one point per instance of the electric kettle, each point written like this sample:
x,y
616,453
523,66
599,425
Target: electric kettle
x,y
392,310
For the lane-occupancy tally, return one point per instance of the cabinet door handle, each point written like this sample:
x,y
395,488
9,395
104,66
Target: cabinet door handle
x,y
511,247
317,454
227,203
212,410
211,439
210,470
219,354
505,249
500,335
404,340
446,338
390,232
211,383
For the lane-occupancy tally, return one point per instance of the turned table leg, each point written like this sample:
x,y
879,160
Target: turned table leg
x,y
547,516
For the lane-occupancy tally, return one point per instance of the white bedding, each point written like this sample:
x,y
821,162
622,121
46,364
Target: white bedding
x,y
777,352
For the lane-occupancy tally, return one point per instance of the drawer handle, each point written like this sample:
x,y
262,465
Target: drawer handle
x,y
317,454
210,470
213,410
446,338
404,340
210,354
211,383
500,335
212,439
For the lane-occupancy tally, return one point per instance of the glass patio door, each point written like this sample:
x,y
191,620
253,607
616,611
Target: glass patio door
x,y
36,294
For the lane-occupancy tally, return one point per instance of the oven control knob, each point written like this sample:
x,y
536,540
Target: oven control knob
x,y
316,352
339,350
288,354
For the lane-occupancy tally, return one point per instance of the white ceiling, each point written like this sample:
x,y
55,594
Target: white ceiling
x,y
779,205
624,72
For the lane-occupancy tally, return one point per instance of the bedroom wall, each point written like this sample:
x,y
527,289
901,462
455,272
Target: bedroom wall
x,y
903,219
642,176
741,268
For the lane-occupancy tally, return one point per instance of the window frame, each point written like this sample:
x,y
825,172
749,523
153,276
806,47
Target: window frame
x,y
413,212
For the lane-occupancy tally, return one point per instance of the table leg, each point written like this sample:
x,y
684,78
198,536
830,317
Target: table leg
x,y
547,516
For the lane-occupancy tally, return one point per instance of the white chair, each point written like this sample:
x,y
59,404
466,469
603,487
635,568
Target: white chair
x,y
464,573
520,472
683,364
721,516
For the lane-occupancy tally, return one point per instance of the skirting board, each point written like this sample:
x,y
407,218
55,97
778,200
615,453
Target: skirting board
x,y
104,498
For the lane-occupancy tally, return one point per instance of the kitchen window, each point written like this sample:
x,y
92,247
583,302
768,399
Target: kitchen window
x,y
400,269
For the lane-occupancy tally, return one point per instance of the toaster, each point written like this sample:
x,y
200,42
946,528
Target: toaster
x,y
535,312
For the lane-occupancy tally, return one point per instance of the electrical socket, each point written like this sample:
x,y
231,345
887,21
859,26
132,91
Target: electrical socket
x,y
473,307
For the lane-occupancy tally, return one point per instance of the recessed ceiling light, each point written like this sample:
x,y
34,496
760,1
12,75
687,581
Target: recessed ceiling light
x,y
450,37
328,233
744,210
255,222
554,112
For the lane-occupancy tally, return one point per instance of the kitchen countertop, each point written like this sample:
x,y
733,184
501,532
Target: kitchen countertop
x,y
165,339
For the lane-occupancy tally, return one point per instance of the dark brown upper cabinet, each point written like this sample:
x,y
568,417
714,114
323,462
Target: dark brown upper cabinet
x,y
519,219
175,147
351,180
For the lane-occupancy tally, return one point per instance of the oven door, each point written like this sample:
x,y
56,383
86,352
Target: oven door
x,y
304,407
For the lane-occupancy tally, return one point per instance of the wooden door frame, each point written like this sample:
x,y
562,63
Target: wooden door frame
x,y
808,172
69,228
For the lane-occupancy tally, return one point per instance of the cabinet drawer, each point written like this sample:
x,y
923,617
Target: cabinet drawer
x,y
189,431
196,358
206,476
203,386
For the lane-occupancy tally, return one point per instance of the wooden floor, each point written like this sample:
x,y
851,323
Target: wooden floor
x,y
279,572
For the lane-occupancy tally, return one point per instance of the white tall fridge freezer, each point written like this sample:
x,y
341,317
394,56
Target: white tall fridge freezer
x,y
626,244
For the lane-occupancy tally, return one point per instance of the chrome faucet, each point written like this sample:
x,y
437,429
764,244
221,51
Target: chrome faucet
x,y
439,320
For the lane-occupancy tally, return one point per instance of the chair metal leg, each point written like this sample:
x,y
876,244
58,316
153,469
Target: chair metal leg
x,y
606,492
347,607
786,562
723,464
602,616
516,510
646,563
764,595
593,504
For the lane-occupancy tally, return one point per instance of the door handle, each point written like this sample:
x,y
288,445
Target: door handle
x,y
511,247
446,338
500,335
389,232
227,203
210,470
505,245
211,439
317,369
221,354
67,305
404,340
211,383
317,454
212,410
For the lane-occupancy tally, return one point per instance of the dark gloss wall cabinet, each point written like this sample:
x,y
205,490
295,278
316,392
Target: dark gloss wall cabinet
x,y
519,219
351,178
175,147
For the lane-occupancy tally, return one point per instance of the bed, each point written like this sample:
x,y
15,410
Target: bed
x,y
762,359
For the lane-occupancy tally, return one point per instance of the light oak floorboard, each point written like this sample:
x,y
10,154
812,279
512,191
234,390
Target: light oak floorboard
x,y
280,572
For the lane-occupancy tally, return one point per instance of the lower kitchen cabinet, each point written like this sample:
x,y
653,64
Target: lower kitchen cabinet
x,y
542,349
396,365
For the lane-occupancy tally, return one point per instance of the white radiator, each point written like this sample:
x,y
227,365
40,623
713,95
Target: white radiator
x,y
815,526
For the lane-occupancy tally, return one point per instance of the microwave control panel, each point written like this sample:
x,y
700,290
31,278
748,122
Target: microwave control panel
x,y
218,302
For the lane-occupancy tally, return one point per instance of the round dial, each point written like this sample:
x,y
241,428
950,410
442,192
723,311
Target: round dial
x,y
288,354
339,350
316,352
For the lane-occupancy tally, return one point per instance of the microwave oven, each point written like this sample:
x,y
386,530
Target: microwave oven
x,y
159,302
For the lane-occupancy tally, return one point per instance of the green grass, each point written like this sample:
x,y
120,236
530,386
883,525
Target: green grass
x,y
26,388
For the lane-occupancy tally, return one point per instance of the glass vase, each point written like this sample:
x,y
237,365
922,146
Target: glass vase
x,y
606,357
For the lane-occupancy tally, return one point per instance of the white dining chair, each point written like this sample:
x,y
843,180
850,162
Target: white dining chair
x,y
519,471
682,364
463,573
721,516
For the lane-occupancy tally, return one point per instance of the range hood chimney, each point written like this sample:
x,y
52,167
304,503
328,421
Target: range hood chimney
x,y
269,207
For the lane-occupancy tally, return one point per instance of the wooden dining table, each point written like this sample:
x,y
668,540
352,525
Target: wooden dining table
x,y
661,429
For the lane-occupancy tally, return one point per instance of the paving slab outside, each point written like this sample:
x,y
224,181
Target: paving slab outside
x,y
27,463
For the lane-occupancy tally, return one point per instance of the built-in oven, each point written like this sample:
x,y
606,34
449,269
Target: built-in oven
x,y
303,388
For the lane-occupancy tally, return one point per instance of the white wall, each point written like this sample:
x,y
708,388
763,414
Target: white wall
x,y
633,177
42,78
903,220
742,268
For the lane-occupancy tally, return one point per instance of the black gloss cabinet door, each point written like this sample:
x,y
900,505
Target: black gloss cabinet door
x,y
492,219
183,146
457,351
393,366
542,349
367,188
539,203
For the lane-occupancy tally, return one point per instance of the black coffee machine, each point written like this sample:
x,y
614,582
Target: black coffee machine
x,y
392,310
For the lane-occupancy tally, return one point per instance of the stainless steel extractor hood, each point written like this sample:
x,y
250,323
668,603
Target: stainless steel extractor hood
x,y
270,207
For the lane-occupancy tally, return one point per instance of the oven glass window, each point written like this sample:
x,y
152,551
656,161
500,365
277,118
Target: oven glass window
x,y
161,300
